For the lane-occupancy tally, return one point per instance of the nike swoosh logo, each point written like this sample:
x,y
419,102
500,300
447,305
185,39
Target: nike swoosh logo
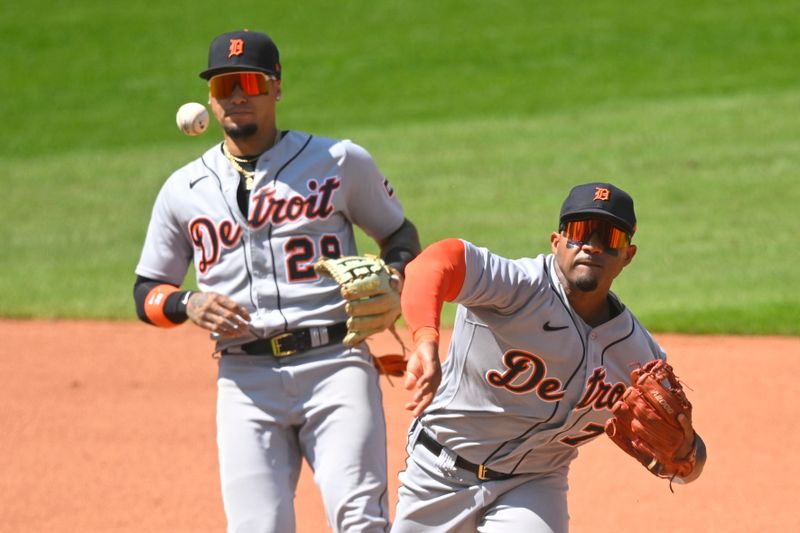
x,y
548,327
193,183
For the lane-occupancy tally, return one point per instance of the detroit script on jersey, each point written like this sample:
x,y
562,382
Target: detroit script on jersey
x,y
526,381
209,236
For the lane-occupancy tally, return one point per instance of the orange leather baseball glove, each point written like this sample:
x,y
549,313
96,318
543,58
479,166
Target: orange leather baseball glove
x,y
645,422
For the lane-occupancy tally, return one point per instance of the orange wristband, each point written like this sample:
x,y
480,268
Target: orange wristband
x,y
426,333
154,305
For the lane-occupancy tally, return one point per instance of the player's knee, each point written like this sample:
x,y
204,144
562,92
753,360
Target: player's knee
x,y
251,505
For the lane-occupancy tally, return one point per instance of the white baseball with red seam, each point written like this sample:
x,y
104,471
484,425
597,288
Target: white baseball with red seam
x,y
192,118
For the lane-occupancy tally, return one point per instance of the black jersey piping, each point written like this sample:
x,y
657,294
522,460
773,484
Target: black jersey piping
x,y
269,239
566,430
241,241
603,354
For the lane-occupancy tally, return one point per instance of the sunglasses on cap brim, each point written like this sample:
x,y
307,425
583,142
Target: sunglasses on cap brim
x,y
251,83
612,237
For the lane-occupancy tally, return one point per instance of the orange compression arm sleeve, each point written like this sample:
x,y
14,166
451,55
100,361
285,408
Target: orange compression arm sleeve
x,y
432,278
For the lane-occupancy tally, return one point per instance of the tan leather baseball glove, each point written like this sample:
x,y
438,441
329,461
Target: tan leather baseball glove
x,y
372,290
645,422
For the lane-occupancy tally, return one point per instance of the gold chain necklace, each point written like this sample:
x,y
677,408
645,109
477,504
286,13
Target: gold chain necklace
x,y
249,175
237,164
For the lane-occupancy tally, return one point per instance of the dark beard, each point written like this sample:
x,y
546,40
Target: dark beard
x,y
586,284
242,132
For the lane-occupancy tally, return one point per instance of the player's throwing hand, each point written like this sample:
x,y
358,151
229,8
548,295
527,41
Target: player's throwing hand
x,y
423,375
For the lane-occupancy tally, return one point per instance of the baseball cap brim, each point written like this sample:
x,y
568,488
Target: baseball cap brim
x,y
599,213
210,73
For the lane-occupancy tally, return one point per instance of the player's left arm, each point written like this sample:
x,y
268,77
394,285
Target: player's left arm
x,y
693,444
399,248
372,286
369,202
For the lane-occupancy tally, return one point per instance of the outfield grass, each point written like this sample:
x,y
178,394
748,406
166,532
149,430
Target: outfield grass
x,y
482,114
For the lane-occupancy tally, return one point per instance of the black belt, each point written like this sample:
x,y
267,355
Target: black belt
x,y
291,342
482,473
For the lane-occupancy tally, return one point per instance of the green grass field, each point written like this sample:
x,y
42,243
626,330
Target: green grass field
x,y
483,115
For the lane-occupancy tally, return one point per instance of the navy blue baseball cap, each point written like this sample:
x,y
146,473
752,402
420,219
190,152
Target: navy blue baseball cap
x,y
242,51
599,199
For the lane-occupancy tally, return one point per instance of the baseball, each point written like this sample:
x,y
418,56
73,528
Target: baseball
x,y
192,118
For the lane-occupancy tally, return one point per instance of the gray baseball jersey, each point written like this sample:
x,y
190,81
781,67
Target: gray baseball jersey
x,y
526,381
307,194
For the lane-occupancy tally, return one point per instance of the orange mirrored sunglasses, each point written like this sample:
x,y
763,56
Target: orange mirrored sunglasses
x,y
612,237
252,84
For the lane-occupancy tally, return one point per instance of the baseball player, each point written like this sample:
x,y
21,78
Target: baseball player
x,y
254,213
541,350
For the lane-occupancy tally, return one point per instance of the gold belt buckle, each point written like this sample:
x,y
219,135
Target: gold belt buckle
x,y
277,351
482,473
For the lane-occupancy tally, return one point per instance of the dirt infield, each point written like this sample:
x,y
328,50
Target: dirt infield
x,y
110,427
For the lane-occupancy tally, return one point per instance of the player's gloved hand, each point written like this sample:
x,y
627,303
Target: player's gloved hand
x,y
652,421
423,374
372,290
217,313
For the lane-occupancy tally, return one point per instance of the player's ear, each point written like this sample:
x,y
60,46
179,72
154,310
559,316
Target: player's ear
x,y
630,251
554,238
